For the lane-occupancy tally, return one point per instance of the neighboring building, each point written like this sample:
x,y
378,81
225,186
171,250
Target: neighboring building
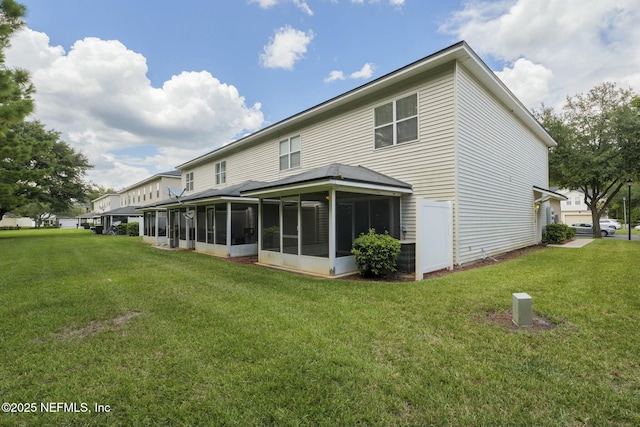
x,y
574,209
105,203
149,191
10,220
438,153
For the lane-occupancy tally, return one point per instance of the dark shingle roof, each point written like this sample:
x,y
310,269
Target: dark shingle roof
x,y
127,210
231,191
335,171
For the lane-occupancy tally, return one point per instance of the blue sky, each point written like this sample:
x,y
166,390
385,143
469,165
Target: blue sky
x,y
141,86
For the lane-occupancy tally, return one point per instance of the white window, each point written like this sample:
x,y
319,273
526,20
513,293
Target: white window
x,y
577,200
396,122
568,201
158,190
221,172
290,153
150,191
189,181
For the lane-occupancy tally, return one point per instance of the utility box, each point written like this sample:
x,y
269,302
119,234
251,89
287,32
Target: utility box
x,y
522,310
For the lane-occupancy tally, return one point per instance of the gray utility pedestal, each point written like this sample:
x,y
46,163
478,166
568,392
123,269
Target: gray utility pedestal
x,y
522,309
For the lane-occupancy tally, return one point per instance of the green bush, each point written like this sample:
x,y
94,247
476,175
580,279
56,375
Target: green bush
x,y
133,229
376,254
557,233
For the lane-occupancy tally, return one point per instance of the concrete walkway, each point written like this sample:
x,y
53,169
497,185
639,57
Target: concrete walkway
x,y
576,243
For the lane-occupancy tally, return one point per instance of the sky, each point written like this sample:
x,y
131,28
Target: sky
x,y
142,86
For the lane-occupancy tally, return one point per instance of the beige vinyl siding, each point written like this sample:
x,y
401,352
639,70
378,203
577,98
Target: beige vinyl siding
x,y
499,161
427,164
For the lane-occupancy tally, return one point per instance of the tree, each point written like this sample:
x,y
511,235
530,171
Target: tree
x,y
598,151
15,87
46,172
95,190
15,101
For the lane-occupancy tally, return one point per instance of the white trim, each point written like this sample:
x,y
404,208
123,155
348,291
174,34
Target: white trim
x,y
340,185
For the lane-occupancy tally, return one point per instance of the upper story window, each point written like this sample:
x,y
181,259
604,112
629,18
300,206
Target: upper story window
x,y
158,190
221,172
396,122
189,181
290,153
568,201
150,191
577,200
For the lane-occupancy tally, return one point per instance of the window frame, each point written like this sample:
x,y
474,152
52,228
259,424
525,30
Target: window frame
x,y
395,122
288,154
188,181
220,172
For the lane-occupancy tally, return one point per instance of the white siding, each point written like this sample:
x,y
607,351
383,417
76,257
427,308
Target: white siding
x,y
427,164
499,160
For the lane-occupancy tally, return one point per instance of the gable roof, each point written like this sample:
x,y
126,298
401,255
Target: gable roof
x,y
333,174
460,52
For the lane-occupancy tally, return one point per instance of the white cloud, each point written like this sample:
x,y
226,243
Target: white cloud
x,y
334,75
581,42
363,73
285,48
529,81
99,97
266,4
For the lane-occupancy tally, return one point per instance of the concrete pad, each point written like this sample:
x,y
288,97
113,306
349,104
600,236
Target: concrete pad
x,y
576,243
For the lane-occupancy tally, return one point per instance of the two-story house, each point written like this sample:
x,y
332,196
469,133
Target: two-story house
x,y
438,153
574,209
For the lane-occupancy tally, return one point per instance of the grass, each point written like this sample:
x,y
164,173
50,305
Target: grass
x,y
179,338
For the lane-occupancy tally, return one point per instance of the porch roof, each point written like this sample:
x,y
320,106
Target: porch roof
x,y
335,174
548,194
211,194
125,211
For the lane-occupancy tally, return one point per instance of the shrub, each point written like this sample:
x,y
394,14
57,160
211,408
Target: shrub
x,y
376,254
133,229
557,233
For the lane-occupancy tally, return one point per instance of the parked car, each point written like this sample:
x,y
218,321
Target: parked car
x,y
610,222
586,229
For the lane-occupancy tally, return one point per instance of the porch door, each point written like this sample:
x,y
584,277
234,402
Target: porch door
x,y
290,225
174,233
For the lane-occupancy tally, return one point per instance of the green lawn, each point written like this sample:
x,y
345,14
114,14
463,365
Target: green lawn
x,y
179,338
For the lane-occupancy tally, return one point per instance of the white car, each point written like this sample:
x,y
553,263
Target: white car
x,y
585,229
606,222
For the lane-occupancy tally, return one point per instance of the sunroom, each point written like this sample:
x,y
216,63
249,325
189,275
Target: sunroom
x,y
308,221
215,221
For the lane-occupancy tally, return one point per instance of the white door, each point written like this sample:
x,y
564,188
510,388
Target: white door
x,y
434,236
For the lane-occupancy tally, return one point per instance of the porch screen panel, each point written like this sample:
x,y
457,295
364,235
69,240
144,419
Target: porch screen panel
x,y
344,228
362,224
271,226
290,227
314,227
183,224
152,224
162,224
211,224
221,224
244,223
201,223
